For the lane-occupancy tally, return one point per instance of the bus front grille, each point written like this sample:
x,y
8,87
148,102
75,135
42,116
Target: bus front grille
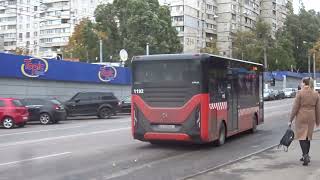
x,y
167,96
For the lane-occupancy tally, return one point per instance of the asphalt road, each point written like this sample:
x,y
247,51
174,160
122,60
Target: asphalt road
x,y
92,149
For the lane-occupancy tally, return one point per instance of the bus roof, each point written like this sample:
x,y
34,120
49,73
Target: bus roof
x,y
185,56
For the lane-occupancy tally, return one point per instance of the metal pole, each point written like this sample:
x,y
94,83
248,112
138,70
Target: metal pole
x,y
101,51
309,68
147,48
314,66
265,58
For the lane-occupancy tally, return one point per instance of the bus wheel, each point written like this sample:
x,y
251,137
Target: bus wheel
x,y
254,124
222,135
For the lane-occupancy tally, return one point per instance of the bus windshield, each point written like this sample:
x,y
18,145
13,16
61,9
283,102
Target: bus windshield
x,y
167,71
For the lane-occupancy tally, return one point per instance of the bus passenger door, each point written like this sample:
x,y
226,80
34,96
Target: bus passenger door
x,y
232,103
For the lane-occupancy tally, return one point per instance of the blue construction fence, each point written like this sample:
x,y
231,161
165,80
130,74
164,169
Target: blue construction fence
x,y
27,67
279,75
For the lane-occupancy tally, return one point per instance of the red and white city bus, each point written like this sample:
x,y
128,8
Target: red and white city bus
x,y
194,98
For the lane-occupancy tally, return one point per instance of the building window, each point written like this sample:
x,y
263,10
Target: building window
x,y
234,7
180,28
274,12
2,11
20,35
35,8
12,26
233,26
234,17
12,2
209,6
28,35
35,34
28,26
178,18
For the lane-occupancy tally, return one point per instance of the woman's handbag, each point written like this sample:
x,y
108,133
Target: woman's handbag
x,y
287,139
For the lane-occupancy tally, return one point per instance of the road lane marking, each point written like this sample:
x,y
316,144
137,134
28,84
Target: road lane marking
x,y
46,130
62,137
35,158
55,129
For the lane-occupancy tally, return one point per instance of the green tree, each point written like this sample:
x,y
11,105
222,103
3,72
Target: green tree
x,y
211,47
304,29
83,43
244,46
316,50
131,24
252,44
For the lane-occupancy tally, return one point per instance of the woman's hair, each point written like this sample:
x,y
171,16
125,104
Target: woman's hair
x,y
308,81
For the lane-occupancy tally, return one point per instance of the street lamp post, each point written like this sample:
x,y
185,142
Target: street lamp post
x,y
147,49
101,56
314,65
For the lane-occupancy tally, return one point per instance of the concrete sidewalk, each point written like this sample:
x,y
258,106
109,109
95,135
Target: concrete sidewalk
x,y
274,164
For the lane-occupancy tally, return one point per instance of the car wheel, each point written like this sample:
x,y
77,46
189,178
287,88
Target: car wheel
x,y
222,135
45,118
104,113
8,123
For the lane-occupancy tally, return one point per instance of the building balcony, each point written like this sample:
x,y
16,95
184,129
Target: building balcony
x,y
9,39
177,23
53,44
10,48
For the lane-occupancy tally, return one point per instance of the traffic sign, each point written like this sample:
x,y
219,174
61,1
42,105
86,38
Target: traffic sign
x,y
123,55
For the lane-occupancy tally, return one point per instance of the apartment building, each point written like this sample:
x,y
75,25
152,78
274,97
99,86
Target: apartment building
x,y
275,12
17,24
199,21
41,27
58,19
195,22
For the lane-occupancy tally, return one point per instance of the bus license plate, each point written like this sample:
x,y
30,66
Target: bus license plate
x,y
167,126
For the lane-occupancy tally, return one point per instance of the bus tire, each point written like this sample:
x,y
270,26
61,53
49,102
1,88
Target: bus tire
x,y
222,135
254,124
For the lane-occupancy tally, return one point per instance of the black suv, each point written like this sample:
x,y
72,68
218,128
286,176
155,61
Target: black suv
x,y
101,104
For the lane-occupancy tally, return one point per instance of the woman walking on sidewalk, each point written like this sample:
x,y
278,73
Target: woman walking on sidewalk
x,y
306,112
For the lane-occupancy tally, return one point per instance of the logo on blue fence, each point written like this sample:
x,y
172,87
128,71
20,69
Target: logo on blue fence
x,y
107,73
34,67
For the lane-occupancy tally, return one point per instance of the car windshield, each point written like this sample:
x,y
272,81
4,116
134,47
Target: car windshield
x,y
17,103
54,101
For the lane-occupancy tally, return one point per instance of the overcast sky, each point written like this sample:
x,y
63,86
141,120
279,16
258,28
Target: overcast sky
x,y
309,4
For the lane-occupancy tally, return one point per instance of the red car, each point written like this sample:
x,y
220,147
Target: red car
x,y
12,112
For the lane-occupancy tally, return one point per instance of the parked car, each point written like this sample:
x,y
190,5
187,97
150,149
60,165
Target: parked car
x,y
12,112
125,105
44,110
268,94
279,94
289,92
101,104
